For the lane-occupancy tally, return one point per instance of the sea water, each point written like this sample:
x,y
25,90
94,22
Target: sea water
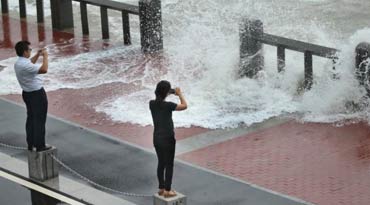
x,y
201,40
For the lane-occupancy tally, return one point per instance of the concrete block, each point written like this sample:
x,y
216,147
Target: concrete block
x,y
41,166
180,199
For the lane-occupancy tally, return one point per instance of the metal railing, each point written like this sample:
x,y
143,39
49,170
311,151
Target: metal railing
x,y
149,13
104,5
252,38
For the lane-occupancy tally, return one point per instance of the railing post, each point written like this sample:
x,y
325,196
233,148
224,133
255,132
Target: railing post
x,y
4,6
40,11
126,28
22,9
308,70
362,65
104,22
84,18
150,15
281,58
251,52
61,14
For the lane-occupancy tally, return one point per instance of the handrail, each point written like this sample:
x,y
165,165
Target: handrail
x,y
114,5
149,13
296,45
252,39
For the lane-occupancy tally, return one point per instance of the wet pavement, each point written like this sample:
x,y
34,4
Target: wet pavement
x,y
320,163
14,194
120,166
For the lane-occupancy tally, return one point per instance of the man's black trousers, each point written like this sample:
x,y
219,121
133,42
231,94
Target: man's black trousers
x,y
37,108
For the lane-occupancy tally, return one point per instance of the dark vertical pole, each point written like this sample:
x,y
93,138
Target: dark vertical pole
x,y
22,9
4,6
61,14
281,58
251,48
308,70
126,28
84,18
150,14
40,11
104,22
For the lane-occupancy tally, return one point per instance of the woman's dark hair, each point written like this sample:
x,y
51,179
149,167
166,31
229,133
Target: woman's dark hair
x,y
21,47
162,89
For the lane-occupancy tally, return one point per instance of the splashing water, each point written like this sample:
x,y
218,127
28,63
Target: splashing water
x,y
202,51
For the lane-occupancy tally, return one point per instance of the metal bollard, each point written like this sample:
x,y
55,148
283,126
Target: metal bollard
x,y
362,65
41,166
180,199
251,56
150,15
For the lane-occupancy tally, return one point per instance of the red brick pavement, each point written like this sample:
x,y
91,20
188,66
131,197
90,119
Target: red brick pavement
x,y
319,163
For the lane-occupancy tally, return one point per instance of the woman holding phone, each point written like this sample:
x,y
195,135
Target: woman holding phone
x,y
164,135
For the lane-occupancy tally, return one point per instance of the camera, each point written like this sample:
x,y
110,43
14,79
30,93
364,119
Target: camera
x,y
172,91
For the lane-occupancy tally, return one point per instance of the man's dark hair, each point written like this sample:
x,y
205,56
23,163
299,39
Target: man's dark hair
x,y
21,47
163,87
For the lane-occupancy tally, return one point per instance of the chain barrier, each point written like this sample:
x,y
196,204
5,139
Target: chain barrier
x,y
12,147
80,176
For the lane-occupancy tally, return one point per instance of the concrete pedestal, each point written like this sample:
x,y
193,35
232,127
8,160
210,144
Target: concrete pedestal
x,y
177,200
41,166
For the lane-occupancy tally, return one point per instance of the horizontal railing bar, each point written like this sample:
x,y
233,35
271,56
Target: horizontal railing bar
x,y
132,9
299,46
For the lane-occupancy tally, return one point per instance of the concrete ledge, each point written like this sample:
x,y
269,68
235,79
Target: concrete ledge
x,y
64,184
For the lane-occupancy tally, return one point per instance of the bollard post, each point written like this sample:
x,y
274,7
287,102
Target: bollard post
x,y
61,14
180,199
150,15
362,65
251,49
4,6
41,166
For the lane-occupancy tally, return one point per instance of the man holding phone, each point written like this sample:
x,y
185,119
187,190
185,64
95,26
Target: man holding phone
x,y
28,75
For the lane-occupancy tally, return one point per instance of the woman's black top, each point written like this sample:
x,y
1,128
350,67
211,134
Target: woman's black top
x,y
162,120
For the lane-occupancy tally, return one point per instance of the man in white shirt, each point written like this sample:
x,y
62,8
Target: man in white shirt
x,y
28,75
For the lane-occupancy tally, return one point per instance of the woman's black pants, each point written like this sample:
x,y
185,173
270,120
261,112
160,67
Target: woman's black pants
x,y
166,156
37,108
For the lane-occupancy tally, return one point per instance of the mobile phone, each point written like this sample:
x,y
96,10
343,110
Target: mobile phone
x,y
172,91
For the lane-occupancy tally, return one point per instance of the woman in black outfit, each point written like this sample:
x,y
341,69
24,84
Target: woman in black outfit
x,y
164,135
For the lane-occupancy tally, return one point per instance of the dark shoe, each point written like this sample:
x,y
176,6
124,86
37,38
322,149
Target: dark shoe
x,y
30,148
45,148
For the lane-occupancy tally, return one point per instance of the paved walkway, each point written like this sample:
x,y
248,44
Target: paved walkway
x,y
112,163
320,163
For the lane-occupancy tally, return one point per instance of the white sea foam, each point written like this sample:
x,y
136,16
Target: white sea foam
x,y
202,45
